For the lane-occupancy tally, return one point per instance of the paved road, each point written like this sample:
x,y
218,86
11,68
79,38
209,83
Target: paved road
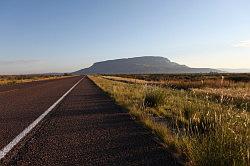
x,y
14,87
21,107
89,129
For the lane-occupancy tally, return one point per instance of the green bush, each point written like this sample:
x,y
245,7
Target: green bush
x,y
154,97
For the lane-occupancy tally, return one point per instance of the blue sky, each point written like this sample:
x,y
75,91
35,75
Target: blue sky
x,y
62,36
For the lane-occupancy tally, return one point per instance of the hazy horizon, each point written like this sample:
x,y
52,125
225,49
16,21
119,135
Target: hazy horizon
x,y
229,70
65,36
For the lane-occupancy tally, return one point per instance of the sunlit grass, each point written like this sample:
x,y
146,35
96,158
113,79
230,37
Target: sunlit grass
x,y
236,94
202,132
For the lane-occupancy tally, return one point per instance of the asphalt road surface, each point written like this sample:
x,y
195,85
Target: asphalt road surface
x,y
87,128
20,107
14,87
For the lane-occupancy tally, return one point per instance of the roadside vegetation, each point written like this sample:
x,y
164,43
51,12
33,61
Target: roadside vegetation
x,y
16,79
227,89
199,130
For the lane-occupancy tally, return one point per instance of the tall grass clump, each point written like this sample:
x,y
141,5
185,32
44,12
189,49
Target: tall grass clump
x,y
154,97
219,139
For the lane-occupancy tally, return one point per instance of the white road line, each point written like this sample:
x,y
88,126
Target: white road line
x,y
15,141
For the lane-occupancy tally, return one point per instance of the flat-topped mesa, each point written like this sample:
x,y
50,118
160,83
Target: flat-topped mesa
x,y
141,65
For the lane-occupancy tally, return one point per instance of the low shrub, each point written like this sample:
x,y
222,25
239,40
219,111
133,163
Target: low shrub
x,y
154,97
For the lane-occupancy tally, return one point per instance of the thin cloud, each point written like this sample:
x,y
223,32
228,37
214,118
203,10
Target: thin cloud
x,y
244,44
19,62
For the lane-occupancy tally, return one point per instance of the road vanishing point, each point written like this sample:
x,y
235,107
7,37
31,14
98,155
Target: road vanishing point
x,y
71,121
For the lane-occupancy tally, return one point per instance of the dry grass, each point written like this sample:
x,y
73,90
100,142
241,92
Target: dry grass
x,y
202,132
228,92
243,93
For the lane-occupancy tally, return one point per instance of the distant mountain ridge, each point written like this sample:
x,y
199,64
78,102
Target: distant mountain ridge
x,y
235,70
141,65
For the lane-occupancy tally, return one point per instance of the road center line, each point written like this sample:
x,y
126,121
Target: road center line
x,y
4,151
